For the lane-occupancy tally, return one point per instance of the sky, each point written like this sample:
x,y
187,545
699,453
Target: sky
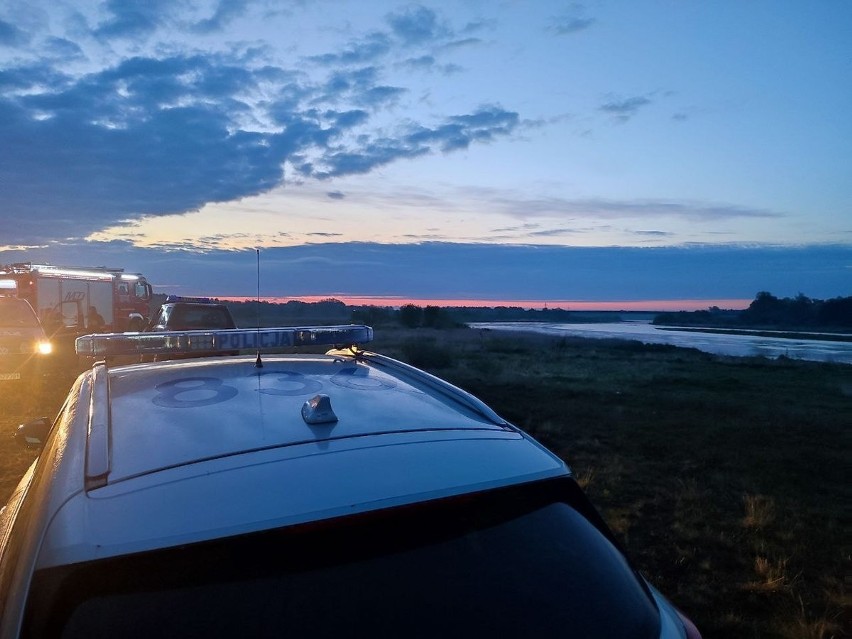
x,y
685,154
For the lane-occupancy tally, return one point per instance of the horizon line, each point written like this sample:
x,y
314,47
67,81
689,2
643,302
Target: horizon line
x,y
567,305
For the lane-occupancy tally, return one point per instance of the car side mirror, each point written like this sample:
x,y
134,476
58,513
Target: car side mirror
x,y
34,433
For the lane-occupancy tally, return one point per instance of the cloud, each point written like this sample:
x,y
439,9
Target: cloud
x,y
225,12
63,49
372,48
600,208
430,270
459,131
169,134
654,233
12,36
417,25
335,195
414,140
623,109
132,19
430,63
572,21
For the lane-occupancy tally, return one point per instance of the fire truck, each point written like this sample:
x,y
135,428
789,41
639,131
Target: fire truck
x,y
73,301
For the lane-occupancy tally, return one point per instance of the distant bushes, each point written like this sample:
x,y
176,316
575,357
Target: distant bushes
x,y
769,311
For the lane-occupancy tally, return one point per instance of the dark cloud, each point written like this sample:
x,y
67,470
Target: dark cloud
x,y
459,131
360,86
414,140
624,109
375,154
372,48
572,25
155,136
573,21
417,25
459,44
12,36
375,97
654,233
552,233
335,195
132,19
431,64
427,270
62,48
225,12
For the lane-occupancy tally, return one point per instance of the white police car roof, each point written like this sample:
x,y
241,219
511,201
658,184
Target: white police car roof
x,y
190,450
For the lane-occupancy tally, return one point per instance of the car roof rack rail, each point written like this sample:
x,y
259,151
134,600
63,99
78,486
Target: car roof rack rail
x,y
436,383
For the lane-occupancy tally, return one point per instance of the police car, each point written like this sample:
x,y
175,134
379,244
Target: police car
x,y
343,494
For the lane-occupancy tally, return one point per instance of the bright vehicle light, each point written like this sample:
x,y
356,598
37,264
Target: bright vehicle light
x,y
69,272
44,347
8,285
188,342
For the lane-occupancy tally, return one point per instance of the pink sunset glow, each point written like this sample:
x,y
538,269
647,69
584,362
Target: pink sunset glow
x,y
569,305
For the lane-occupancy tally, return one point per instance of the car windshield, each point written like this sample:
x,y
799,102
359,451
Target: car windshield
x,y
515,562
187,317
16,313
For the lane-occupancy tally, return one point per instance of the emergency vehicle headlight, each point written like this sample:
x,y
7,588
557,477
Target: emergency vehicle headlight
x,y
43,347
188,342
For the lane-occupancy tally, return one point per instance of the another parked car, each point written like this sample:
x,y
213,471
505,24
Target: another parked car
x,y
344,494
190,313
184,314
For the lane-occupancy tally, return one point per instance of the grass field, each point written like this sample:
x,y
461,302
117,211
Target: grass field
x,y
726,478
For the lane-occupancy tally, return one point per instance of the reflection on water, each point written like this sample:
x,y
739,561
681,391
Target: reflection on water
x,y
720,344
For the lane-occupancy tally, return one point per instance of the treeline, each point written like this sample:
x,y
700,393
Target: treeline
x,y
334,311
768,311
408,315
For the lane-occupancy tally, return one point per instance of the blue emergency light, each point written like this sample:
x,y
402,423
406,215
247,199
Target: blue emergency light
x,y
229,340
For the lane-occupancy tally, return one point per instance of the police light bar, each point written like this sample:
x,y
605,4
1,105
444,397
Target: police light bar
x,y
189,342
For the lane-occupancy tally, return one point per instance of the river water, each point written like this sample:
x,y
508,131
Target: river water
x,y
718,343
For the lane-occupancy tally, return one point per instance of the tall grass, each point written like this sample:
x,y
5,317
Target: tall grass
x,y
726,478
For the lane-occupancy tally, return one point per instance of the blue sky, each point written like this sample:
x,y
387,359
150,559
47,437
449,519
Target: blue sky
x,y
447,150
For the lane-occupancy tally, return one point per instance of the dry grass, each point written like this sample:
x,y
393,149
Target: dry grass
x,y
726,478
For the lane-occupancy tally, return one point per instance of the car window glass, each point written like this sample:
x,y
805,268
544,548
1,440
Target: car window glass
x,y
473,568
16,313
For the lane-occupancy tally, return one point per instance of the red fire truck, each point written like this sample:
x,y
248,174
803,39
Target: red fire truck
x,y
73,301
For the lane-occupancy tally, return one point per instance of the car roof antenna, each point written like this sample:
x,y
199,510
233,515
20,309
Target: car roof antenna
x,y
258,363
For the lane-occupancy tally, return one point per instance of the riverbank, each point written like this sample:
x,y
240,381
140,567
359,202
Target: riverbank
x,y
725,477
801,335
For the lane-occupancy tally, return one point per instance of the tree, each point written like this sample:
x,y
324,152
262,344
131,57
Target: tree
x,y
411,315
765,309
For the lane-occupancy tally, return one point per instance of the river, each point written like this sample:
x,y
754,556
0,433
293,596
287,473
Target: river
x,y
718,343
